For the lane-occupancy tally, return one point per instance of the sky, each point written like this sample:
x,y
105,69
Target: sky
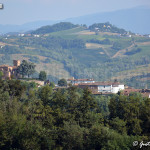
x,y
24,11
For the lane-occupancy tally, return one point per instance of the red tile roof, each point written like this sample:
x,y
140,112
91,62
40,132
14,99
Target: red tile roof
x,y
80,80
101,83
4,66
144,92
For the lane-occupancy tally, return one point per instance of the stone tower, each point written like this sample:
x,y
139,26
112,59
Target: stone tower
x,y
16,63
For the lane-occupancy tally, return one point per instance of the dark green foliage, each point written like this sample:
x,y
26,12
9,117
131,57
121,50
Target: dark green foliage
x,y
13,87
129,110
62,82
1,75
10,50
105,41
47,60
54,42
45,93
52,78
26,68
32,59
106,27
52,84
72,136
42,75
54,28
69,119
133,51
116,46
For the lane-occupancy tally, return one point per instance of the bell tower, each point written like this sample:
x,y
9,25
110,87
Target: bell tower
x,y
16,63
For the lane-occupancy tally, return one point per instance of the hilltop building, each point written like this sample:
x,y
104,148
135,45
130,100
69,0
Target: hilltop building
x,y
107,88
10,71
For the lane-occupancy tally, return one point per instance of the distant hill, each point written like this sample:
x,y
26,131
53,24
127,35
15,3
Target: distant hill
x,y
24,27
135,20
54,28
99,51
106,27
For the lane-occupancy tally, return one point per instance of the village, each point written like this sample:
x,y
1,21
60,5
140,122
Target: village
x,y
96,87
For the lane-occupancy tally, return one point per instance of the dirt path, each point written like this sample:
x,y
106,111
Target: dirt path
x,y
121,52
107,53
4,44
143,43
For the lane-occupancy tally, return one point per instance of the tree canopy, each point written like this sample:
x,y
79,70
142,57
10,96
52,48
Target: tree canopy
x,y
54,28
62,82
71,118
26,68
42,75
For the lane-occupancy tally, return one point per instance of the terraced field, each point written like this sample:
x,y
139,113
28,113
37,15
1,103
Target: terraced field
x,y
121,58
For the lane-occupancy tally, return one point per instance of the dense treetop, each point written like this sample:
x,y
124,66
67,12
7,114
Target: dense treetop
x,y
72,119
106,27
54,28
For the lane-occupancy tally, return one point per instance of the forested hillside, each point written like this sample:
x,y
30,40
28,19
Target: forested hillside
x,y
54,28
70,119
100,51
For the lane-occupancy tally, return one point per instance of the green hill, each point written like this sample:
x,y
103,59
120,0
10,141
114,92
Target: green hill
x,y
54,28
83,53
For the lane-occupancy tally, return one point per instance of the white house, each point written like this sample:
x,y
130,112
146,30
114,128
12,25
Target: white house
x,y
114,87
1,6
1,46
21,34
103,87
117,88
36,35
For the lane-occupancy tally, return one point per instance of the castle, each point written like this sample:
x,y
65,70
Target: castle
x,y
10,71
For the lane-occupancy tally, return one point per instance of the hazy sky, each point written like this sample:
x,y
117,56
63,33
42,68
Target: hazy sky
x,y
23,11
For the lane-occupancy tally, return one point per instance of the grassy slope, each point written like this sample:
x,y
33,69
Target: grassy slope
x,y
93,54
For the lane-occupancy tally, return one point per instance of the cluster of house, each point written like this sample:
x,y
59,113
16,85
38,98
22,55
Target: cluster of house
x,y
10,71
97,87
106,87
28,35
144,92
20,35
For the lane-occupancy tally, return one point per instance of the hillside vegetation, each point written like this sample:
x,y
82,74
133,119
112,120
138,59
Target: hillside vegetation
x,y
65,50
106,27
54,28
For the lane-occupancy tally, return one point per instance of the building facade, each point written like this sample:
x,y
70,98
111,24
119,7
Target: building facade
x,y
103,87
10,71
143,92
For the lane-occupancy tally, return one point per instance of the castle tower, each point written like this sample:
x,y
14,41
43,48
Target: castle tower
x,y
16,63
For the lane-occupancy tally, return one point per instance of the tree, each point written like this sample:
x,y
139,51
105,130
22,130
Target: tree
x,y
52,84
86,107
42,75
127,109
26,68
45,94
62,82
1,75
